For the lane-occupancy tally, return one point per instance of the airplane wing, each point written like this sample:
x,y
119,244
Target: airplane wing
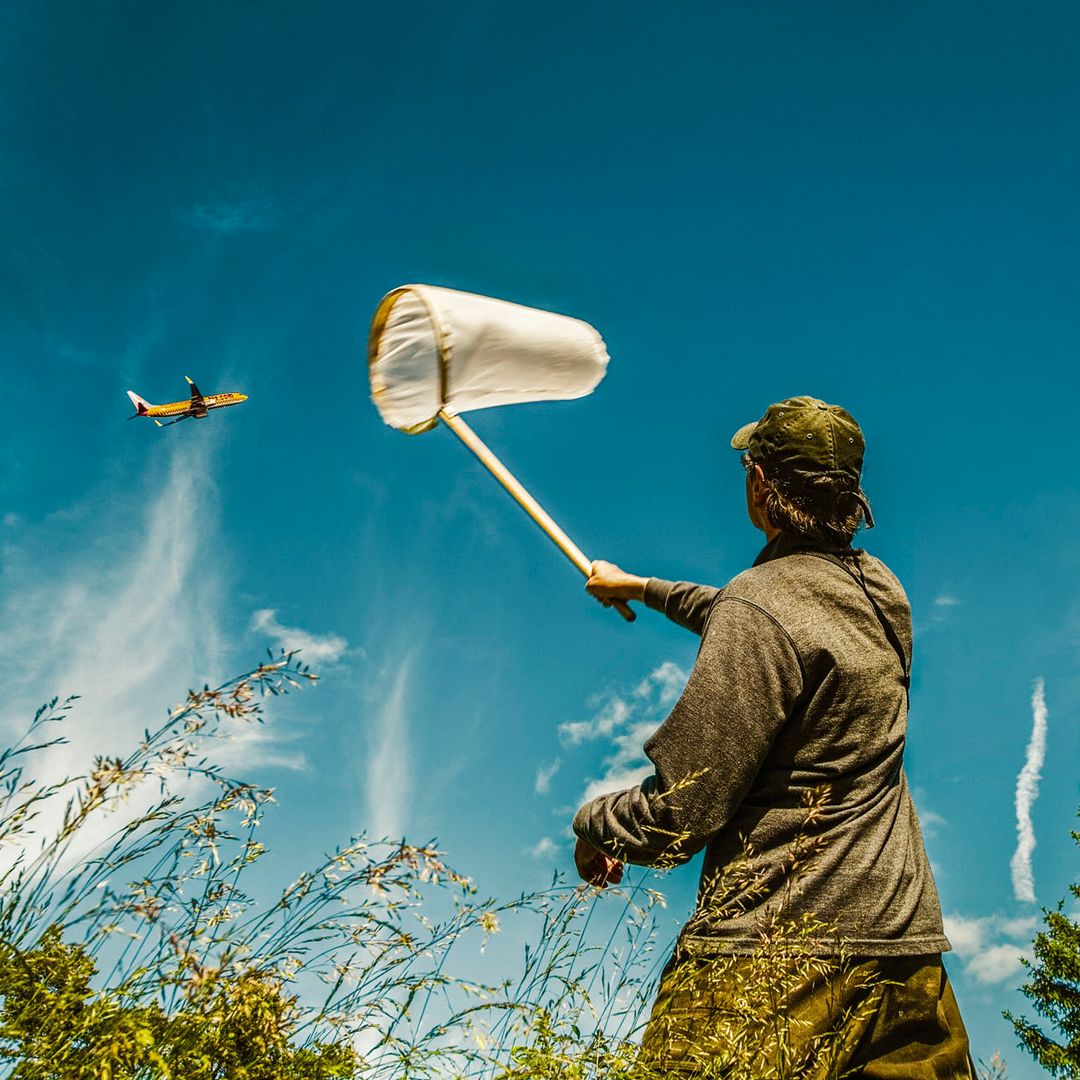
x,y
197,402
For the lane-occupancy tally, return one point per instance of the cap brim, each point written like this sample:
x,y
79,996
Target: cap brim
x,y
741,439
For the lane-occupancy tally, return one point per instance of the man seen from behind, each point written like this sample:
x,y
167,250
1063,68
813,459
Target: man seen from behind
x,y
783,760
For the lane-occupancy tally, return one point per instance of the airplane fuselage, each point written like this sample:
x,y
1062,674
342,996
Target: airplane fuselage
x,y
187,408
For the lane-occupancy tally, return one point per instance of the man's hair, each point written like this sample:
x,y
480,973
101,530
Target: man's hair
x,y
823,509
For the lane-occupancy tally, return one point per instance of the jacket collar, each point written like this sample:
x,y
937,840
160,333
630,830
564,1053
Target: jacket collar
x,y
792,544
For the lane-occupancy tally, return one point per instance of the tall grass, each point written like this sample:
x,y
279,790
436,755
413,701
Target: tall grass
x,y
131,948
136,871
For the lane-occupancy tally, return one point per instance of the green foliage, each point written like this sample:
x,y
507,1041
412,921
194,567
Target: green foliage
x,y
54,1025
558,1051
1053,988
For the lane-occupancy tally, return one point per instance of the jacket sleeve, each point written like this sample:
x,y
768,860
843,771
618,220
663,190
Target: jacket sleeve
x,y
707,753
683,603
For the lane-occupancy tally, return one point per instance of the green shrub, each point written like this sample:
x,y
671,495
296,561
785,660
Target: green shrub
x,y
1053,988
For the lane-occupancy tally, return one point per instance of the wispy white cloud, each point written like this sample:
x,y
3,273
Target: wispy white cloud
x,y
128,620
1027,791
123,622
544,848
991,946
997,963
228,217
941,611
964,934
389,771
666,682
658,689
544,776
313,648
930,820
626,720
616,778
612,715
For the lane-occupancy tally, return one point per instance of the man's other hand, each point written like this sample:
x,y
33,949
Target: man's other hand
x,y
608,583
595,867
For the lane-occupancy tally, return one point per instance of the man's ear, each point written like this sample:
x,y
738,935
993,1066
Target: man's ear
x,y
757,487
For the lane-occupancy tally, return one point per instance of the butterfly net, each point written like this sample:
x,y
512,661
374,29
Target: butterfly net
x,y
432,348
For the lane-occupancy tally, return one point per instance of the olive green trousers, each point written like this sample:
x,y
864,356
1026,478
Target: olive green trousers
x,y
811,1018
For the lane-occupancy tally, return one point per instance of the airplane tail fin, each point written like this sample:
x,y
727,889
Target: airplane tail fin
x,y
141,404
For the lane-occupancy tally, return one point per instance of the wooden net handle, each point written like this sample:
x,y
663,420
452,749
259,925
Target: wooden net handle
x,y
526,501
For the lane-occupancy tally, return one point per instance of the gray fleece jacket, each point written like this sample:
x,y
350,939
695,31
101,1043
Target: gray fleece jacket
x,y
801,681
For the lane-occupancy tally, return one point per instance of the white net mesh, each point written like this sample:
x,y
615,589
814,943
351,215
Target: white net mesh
x,y
432,348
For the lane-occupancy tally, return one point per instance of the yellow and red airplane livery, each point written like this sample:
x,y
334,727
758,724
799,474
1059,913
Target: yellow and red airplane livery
x,y
197,407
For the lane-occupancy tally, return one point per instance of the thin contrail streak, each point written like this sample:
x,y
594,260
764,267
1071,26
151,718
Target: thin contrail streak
x,y
1027,791
389,774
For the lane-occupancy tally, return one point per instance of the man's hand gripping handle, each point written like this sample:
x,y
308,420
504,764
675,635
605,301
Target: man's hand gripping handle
x,y
613,587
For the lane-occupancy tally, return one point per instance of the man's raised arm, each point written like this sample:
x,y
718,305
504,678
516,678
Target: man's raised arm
x,y
683,603
707,753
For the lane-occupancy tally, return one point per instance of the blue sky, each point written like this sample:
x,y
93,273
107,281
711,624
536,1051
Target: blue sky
x,y
874,205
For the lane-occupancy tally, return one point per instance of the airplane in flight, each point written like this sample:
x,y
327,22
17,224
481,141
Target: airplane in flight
x,y
196,408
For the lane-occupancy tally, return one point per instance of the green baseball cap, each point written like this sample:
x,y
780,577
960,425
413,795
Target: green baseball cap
x,y
802,438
